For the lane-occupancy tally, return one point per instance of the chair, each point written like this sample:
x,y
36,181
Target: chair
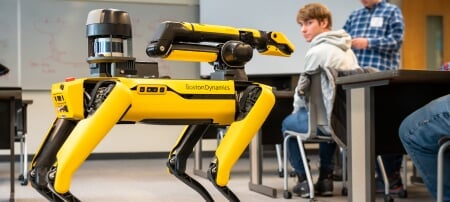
x,y
444,144
20,137
387,194
317,121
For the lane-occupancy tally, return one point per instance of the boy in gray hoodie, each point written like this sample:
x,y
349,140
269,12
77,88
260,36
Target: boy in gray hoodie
x,y
329,51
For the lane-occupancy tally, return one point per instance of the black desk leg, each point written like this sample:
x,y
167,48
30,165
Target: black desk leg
x,y
12,115
256,159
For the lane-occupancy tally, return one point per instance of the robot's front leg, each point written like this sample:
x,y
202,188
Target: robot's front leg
x,y
43,162
255,105
181,151
54,166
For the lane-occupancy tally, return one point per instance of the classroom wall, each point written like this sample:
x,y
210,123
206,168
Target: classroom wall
x,y
41,114
271,15
122,138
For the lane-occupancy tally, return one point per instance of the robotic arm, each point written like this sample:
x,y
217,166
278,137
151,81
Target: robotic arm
x,y
213,43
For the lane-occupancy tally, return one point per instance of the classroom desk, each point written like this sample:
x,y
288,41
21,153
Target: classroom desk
x,y
255,153
376,105
9,96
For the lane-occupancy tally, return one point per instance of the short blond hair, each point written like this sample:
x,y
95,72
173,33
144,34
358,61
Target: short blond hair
x,y
315,11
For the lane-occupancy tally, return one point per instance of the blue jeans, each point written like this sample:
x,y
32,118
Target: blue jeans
x,y
298,122
420,133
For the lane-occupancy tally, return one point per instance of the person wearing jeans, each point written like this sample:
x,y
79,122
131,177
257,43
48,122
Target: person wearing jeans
x,y
330,50
420,133
377,31
299,122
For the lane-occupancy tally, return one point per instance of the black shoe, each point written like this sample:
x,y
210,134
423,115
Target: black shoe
x,y
337,176
395,184
324,187
3,70
302,189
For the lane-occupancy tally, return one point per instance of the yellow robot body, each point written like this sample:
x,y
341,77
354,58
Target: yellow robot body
x,y
156,100
88,108
184,99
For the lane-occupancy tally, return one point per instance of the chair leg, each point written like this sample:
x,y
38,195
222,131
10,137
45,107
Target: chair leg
x,y
25,161
21,156
286,193
305,165
344,191
279,160
387,196
440,171
404,193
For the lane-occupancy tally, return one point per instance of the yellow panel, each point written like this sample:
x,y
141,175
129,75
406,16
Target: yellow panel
x,y
191,56
67,100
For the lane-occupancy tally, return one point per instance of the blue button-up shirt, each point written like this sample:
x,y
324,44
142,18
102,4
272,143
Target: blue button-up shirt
x,y
384,27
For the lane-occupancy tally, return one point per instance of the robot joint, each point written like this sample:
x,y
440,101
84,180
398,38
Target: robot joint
x,y
248,100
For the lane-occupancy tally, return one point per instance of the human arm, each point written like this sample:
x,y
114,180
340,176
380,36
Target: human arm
x,y
387,37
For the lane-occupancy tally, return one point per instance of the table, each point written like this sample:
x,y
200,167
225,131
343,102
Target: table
x,y
255,149
9,98
376,104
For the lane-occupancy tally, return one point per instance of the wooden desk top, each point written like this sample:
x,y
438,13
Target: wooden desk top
x,y
398,76
8,92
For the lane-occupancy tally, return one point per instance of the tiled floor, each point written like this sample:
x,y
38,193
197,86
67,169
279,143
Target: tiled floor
x,y
148,180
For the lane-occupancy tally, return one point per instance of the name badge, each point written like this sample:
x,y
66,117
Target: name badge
x,y
376,22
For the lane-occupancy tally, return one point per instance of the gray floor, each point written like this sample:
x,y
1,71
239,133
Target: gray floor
x,y
148,180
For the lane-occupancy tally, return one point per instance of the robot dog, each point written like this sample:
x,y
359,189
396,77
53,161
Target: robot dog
x,y
88,108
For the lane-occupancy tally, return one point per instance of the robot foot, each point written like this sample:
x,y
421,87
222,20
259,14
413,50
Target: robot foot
x,y
194,184
222,189
47,190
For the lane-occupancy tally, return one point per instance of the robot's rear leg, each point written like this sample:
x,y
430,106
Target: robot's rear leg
x,y
42,165
179,154
255,103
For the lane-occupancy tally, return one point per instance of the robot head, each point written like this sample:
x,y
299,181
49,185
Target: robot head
x,y
109,43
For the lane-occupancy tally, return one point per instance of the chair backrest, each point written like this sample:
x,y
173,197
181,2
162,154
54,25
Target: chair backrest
x,y
317,112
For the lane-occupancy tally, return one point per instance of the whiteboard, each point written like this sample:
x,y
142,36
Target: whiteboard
x,y
8,42
54,44
271,15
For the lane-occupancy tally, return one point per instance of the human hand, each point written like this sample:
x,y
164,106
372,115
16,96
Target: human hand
x,y
360,43
303,84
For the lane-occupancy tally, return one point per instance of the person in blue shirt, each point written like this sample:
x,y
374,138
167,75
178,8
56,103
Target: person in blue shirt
x,y
377,32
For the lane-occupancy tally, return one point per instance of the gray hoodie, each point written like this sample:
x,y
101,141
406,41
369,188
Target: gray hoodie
x,y
329,51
